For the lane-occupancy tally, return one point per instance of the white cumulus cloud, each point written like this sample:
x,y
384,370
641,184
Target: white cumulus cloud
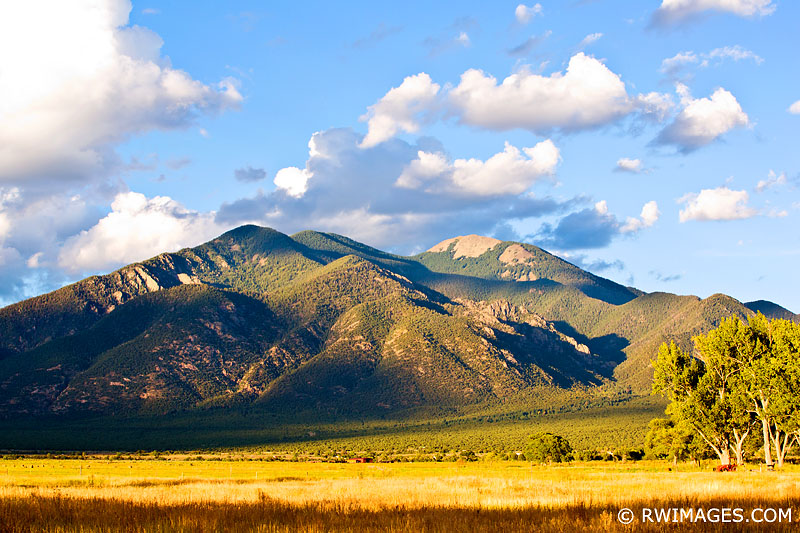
x,y
703,120
795,108
399,109
647,218
524,14
511,171
673,64
136,228
293,180
625,164
400,194
721,203
75,74
677,11
428,166
587,95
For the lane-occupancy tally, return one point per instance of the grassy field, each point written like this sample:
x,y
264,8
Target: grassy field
x,y
182,493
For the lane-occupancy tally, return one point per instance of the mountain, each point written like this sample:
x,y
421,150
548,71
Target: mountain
x,y
771,310
318,322
488,258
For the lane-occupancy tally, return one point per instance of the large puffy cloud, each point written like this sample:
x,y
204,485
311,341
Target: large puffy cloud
x,y
408,196
293,180
399,195
593,227
721,203
587,95
795,108
676,11
703,120
75,75
136,228
39,223
507,172
32,228
399,109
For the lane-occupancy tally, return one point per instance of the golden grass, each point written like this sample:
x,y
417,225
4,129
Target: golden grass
x,y
150,495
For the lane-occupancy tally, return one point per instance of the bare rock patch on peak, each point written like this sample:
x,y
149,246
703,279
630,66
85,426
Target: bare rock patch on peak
x,y
467,245
515,254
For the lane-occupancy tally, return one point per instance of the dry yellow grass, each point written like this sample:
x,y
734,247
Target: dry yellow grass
x,y
96,495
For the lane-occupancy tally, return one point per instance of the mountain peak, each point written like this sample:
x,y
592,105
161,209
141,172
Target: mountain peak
x,y
467,245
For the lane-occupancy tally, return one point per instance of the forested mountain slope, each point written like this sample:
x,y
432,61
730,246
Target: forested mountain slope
x,y
317,320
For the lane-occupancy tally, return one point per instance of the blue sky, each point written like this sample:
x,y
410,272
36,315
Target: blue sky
x,y
649,142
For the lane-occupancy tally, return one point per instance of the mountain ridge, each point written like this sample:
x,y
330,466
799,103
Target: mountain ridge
x,y
320,320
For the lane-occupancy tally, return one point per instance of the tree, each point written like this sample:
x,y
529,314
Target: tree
x,y
679,442
743,372
548,448
658,441
764,353
775,384
705,395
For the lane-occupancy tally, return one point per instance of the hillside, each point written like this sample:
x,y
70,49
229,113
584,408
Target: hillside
x,y
317,322
344,334
486,258
771,310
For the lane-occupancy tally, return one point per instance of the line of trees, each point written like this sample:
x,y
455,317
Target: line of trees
x,y
742,380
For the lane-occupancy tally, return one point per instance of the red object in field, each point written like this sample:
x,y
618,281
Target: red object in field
x,y
363,459
725,468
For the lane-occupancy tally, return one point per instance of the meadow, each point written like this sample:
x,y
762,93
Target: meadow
x,y
252,493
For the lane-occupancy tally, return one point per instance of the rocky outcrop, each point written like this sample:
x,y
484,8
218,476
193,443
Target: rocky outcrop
x,y
467,245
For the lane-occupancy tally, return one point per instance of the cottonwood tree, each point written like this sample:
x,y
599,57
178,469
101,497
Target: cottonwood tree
x,y
740,372
765,353
665,440
707,395
546,447
775,384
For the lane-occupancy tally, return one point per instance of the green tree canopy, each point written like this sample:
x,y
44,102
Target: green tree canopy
x,y
548,448
706,395
741,373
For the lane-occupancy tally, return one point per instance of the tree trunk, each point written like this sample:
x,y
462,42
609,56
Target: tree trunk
x,y
737,450
781,447
767,442
724,456
738,444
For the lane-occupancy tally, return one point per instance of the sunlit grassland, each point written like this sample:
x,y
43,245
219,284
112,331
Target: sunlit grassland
x,y
235,495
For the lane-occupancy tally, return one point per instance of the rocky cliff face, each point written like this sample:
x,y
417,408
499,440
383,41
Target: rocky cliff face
x,y
30,323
